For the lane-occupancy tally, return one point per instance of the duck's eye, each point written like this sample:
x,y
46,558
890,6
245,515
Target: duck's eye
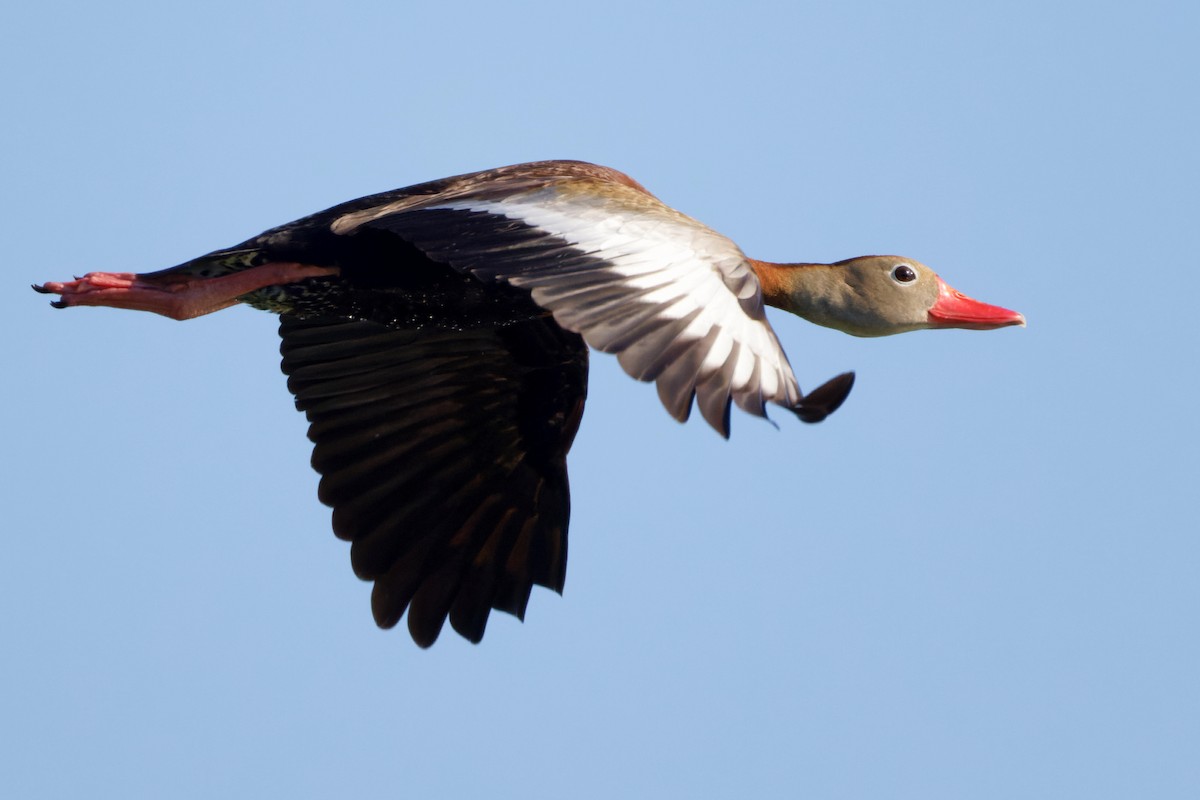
x,y
903,273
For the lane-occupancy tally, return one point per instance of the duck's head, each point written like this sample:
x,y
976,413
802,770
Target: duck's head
x,y
877,296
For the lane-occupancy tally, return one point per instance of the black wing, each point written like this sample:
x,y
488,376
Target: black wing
x,y
443,455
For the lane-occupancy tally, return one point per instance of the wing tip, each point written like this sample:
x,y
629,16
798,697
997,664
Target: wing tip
x,y
825,399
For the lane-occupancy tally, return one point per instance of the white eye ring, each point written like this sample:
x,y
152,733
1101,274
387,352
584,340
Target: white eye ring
x,y
903,274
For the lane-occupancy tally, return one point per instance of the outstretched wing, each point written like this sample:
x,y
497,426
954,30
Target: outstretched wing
x,y
443,455
677,302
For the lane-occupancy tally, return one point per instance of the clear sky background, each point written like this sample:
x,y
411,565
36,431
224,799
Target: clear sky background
x,y
977,580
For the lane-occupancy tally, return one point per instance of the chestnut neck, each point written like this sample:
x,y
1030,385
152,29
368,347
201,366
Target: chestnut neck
x,y
817,292
794,287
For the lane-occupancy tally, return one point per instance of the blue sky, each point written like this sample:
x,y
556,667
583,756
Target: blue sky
x,y
978,579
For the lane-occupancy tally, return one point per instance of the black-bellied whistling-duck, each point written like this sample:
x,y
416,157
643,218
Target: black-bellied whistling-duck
x,y
436,337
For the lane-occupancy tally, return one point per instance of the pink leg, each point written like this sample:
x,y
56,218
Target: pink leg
x,y
175,296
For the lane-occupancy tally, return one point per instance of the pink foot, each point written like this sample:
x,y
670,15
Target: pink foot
x,y
174,295
92,282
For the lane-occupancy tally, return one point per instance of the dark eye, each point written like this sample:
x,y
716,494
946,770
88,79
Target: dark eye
x,y
903,273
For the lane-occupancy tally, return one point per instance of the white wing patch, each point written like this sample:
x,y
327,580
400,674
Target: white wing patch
x,y
677,302
667,267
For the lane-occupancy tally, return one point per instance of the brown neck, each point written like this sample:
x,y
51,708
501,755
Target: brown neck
x,y
782,283
817,292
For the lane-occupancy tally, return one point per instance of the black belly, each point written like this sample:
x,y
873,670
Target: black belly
x,y
385,279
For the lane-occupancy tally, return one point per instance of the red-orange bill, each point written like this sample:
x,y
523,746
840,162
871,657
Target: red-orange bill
x,y
953,309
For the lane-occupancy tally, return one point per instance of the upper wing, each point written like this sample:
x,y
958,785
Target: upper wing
x,y
677,302
443,454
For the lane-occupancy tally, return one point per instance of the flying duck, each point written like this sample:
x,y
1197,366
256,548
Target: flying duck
x,y
437,339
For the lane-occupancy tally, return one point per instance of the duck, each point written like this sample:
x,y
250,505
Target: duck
x,y
437,339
